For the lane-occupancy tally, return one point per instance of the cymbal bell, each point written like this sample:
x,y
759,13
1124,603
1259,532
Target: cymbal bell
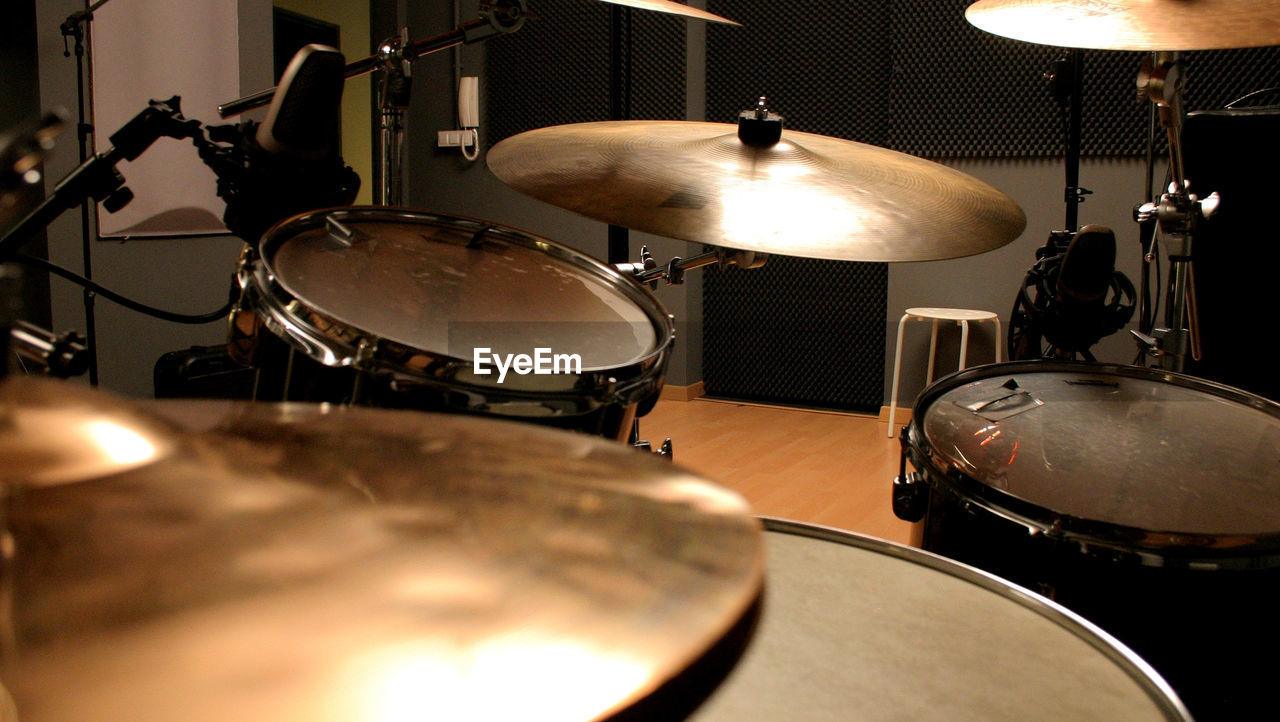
x,y
807,195
318,563
1145,25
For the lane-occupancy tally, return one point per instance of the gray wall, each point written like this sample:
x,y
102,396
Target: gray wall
x,y
186,275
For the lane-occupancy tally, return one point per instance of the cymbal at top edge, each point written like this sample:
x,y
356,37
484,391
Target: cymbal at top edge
x,y
808,195
673,8
1139,25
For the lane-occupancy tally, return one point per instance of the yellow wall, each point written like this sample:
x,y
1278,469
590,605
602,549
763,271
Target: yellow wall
x,y
352,16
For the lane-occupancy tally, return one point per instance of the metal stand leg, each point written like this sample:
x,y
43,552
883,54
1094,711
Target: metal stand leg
x,y
897,371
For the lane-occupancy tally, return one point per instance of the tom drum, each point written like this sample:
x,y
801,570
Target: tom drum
x,y
1146,501
444,313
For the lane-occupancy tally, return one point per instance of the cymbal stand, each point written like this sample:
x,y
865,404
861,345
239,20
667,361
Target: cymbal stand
x,y
620,27
649,272
1178,212
393,92
1067,77
393,59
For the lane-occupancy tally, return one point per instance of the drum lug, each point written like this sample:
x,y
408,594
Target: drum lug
x,y
365,352
910,496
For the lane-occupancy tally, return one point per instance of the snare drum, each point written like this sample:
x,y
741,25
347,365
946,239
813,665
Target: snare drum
x,y
857,628
454,314
1146,501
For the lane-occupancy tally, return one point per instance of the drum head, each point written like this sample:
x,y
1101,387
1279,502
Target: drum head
x,y
447,286
856,628
1093,446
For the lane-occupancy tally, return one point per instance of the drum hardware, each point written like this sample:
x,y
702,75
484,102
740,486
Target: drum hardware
x,y
663,451
910,494
1177,214
504,16
60,355
497,17
648,272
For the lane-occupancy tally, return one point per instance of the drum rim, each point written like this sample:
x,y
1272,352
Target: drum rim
x,y
1146,676
343,344
1150,545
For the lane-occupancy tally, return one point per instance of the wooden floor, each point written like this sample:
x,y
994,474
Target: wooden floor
x,y
823,468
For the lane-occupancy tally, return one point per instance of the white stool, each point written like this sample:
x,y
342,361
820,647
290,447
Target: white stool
x,y
960,315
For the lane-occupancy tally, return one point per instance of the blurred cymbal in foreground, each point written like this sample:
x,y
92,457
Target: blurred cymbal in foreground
x,y
315,563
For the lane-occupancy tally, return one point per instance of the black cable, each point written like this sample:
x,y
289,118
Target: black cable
x,y
1247,96
121,300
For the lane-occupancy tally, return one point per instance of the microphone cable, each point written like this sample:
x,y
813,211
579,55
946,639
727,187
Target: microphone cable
x,y
192,319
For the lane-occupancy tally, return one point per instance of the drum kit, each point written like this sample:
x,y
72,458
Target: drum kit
x,y
450,556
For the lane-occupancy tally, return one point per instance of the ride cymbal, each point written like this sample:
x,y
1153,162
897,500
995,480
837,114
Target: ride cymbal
x,y
299,562
807,195
1146,25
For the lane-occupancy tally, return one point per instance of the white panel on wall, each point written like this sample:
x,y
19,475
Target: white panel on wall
x,y
155,49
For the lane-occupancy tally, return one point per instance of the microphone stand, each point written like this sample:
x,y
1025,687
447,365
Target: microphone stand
x,y
74,27
619,248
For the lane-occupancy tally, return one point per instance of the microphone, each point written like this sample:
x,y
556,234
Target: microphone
x,y
289,164
304,119
1087,266
1064,298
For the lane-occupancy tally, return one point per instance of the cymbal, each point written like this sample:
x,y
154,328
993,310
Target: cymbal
x,y
316,563
807,195
57,433
673,8
1146,25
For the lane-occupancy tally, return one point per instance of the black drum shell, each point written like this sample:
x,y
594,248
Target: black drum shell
x,y
1196,606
